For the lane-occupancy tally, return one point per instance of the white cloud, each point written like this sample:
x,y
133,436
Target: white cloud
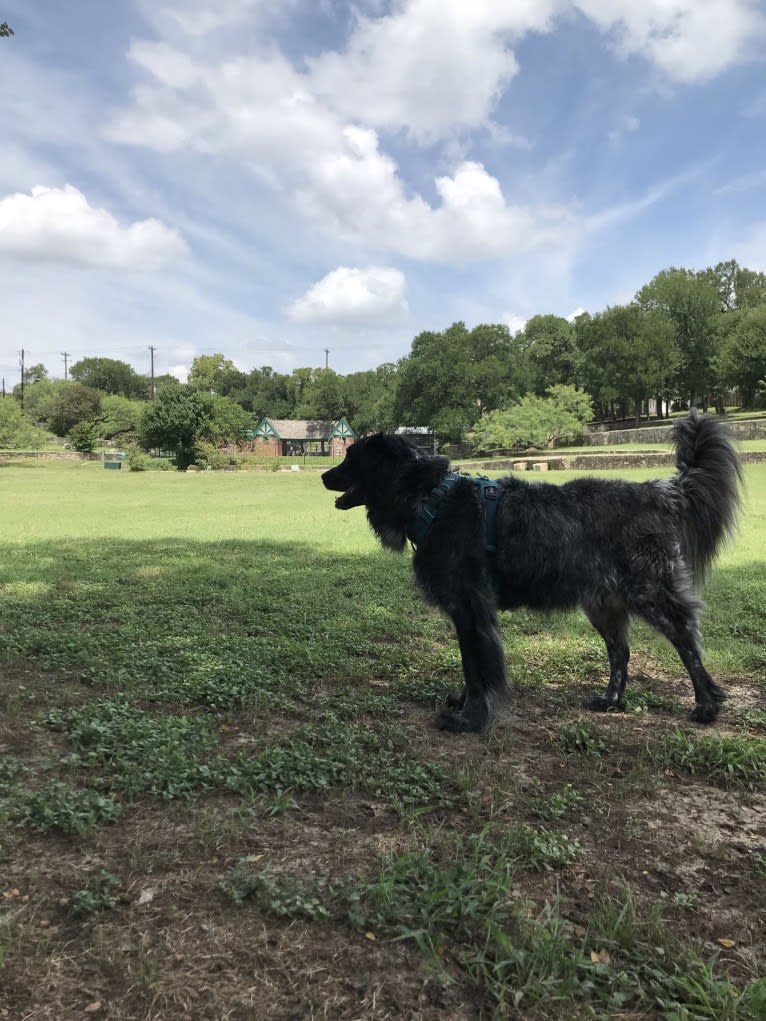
x,y
60,225
371,297
689,40
433,68
430,66
260,110
515,322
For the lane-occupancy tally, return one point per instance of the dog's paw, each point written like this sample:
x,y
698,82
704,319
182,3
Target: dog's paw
x,y
704,713
465,722
601,704
456,723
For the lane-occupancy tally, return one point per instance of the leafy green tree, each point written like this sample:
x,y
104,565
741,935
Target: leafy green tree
x,y
225,421
536,421
549,348
73,403
216,374
369,399
120,417
629,354
40,399
694,305
84,436
35,374
180,417
450,378
267,393
17,431
111,376
174,421
743,357
737,287
321,395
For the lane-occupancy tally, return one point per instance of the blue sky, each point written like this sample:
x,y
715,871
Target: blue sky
x,y
269,179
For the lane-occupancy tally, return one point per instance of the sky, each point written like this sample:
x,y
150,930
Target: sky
x,y
315,182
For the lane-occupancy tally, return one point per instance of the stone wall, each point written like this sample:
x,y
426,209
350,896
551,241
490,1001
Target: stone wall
x,y
748,430
48,455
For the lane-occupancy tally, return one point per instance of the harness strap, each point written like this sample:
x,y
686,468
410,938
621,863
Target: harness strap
x,y
489,492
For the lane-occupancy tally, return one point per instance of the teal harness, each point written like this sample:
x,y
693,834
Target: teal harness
x,y
489,492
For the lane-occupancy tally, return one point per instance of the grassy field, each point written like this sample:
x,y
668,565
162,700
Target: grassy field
x,y
222,795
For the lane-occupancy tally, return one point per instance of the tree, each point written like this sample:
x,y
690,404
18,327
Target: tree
x,y
17,431
120,417
267,393
536,421
549,347
737,287
110,375
180,417
694,305
174,421
35,374
629,354
225,421
84,436
743,356
216,375
321,395
369,399
449,379
73,403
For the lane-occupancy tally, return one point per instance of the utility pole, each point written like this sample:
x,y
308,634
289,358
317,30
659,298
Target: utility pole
x,y
65,355
21,363
327,358
152,385
3,386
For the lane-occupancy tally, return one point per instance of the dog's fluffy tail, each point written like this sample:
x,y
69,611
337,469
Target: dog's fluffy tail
x,y
709,478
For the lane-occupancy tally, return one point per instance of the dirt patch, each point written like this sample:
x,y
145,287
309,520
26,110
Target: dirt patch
x,y
175,945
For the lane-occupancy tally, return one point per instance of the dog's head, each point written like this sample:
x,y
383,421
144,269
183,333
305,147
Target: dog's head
x,y
369,467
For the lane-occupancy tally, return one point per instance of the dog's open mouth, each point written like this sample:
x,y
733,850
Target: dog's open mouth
x,y
350,498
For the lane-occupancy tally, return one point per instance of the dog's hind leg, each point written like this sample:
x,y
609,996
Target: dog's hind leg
x,y
483,660
612,622
675,614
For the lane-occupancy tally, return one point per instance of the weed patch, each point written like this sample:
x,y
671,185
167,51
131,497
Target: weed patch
x,y
731,761
63,807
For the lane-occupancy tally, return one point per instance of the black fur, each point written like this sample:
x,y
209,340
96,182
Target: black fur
x,y
616,549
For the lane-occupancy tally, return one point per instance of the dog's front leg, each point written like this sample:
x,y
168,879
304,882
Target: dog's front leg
x,y
481,652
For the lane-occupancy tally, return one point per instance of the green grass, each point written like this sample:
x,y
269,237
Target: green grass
x,y
229,643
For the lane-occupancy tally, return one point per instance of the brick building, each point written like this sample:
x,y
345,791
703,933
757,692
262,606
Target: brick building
x,y
285,437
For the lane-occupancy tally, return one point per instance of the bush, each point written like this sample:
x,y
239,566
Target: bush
x,y
536,421
16,430
137,460
84,436
207,455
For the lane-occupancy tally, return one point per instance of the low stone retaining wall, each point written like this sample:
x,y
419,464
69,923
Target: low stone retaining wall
x,y
47,455
754,430
591,462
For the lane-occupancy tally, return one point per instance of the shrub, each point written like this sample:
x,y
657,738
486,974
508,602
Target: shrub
x,y
137,460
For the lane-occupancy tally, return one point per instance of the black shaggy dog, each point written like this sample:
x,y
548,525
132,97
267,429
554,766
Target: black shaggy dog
x,y
615,549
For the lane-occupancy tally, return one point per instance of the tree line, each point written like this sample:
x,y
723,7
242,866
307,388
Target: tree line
x,y
688,336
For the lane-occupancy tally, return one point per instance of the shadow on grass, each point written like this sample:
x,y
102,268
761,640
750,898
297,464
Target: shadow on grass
x,y
131,615
136,617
